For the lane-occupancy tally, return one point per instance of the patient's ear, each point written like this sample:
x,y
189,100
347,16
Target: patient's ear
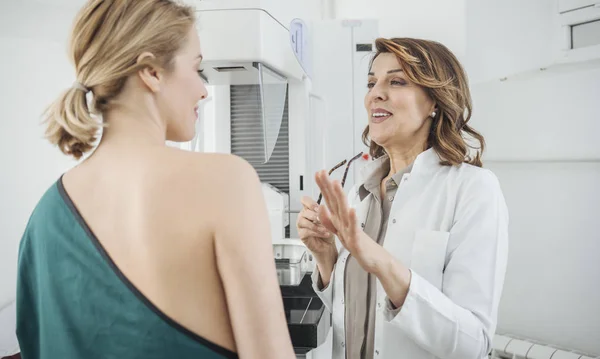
x,y
150,74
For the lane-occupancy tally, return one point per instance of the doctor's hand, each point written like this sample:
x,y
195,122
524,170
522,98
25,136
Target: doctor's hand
x,y
341,220
317,239
312,233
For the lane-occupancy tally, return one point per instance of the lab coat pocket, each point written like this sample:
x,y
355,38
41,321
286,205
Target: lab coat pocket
x,y
429,255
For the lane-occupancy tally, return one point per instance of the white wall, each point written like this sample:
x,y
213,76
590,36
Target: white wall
x,y
439,20
508,37
34,70
548,115
541,128
542,137
551,289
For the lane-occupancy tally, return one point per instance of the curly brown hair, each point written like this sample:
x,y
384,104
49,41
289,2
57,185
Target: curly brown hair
x,y
432,66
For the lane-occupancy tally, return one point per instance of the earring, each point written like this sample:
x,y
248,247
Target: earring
x,y
433,114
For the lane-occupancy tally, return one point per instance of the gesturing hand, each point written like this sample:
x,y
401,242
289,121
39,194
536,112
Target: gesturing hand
x,y
342,221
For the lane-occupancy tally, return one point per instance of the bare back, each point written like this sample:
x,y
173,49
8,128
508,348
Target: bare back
x,y
159,213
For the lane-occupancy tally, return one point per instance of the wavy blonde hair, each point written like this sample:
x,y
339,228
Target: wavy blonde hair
x,y
434,68
106,41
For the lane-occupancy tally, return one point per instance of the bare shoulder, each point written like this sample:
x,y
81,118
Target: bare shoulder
x,y
231,168
217,167
225,171
218,178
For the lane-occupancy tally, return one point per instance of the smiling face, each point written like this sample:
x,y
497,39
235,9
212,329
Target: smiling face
x,y
399,111
183,90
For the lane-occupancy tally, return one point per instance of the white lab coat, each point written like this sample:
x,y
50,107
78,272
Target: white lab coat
x,y
449,225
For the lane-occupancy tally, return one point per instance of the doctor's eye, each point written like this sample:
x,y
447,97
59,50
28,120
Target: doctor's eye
x,y
399,82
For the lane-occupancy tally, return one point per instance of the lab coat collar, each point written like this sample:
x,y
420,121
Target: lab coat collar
x,y
426,162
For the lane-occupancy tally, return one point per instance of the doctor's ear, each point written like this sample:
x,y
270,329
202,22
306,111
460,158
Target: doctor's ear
x,y
149,73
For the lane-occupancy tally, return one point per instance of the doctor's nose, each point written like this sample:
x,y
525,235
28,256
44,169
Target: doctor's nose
x,y
377,93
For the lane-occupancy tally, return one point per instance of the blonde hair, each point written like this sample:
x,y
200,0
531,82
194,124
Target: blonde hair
x,y
432,66
107,39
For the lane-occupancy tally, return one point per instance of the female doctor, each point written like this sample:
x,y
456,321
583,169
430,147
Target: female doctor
x,y
412,264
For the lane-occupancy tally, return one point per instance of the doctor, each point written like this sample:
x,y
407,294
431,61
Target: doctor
x,y
417,265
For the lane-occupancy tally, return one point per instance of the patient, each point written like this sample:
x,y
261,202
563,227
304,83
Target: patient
x,y
143,250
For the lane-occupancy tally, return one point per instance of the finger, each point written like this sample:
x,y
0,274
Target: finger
x,y
353,221
333,205
308,224
326,221
337,196
309,203
319,180
323,181
310,215
342,203
304,223
306,233
353,227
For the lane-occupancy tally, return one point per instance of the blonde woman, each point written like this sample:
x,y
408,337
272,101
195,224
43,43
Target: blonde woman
x,y
143,250
418,269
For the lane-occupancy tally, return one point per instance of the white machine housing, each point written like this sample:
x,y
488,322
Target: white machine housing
x,y
246,34
278,206
236,36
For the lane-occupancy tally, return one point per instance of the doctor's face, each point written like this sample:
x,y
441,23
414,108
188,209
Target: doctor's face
x,y
399,111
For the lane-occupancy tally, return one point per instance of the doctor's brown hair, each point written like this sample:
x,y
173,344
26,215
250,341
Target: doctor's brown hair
x,y
434,68
107,39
